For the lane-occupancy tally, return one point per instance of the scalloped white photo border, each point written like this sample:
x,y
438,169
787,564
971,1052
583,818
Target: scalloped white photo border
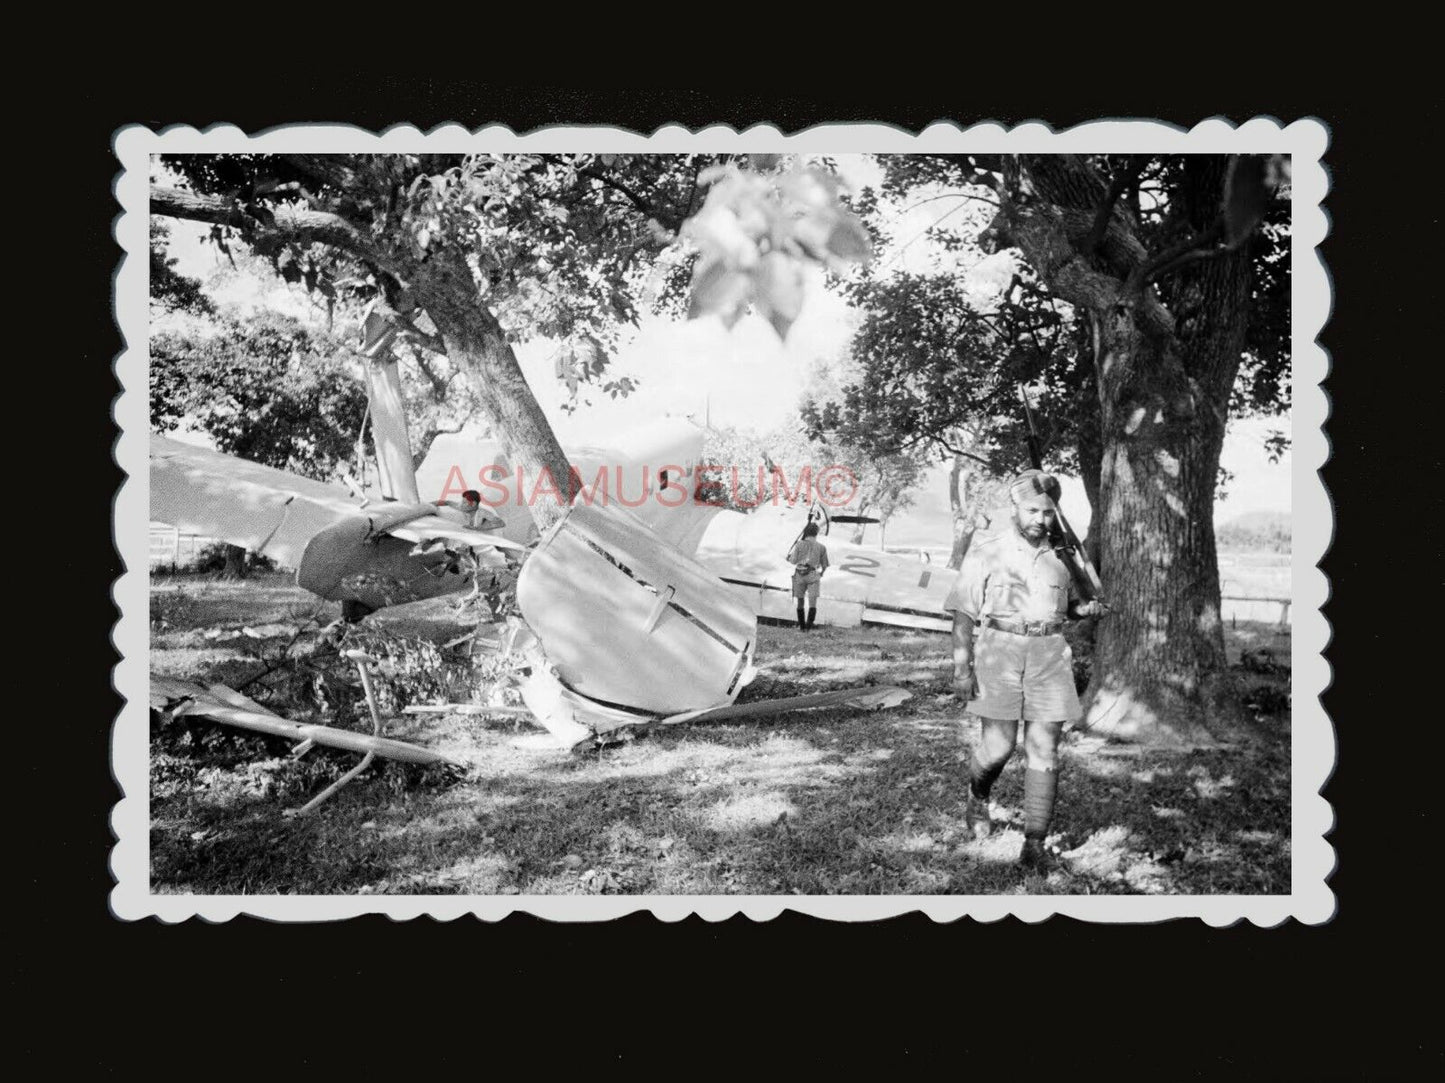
x,y
1312,742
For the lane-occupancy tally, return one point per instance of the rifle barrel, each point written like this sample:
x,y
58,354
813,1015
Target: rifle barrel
x,y
1071,550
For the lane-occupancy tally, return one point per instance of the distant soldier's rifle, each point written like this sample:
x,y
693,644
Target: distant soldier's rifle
x,y
815,513
1062,538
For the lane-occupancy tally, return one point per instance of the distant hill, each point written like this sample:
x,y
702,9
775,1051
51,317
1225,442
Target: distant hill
x,y
1272,530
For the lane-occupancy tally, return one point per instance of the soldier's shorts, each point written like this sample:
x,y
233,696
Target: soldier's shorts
x,y
1028,677
806,588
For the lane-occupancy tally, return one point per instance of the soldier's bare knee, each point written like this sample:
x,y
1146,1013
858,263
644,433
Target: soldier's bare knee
x,y
1040,759
1041,745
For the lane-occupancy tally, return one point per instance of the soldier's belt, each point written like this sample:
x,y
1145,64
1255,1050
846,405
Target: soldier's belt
x,y
1025,627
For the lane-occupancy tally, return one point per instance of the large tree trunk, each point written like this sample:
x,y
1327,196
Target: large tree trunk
x,y
1090,449
235,567
1159,672
960,503
1165,365
476,342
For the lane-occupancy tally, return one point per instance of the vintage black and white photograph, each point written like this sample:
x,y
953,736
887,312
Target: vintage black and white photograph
x,y
853,522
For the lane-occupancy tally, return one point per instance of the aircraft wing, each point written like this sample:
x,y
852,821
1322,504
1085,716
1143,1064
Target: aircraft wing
x,y
380,555
201,491
861,586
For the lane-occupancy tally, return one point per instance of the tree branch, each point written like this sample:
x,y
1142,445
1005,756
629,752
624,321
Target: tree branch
x,y
692,190
1202,246
933,225
413,333
288,224
1122,179
920,436
636,200
949,195
438,385
329,169
961,453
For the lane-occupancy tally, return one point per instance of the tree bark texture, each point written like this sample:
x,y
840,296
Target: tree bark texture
x,y
235,567
477,344
1164,374
960,503
1090,449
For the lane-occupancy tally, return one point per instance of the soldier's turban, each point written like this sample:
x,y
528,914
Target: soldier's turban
x,y
1031,482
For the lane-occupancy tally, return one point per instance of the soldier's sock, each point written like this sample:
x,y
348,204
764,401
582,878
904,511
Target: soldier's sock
x,y
982,776
812,615
1040,789
802,624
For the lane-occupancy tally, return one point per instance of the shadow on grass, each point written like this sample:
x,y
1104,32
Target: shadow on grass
x,y
829,801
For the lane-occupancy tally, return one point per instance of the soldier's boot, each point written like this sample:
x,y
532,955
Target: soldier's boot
x,y
1033,857
802,622
1040,789
976,817
812,615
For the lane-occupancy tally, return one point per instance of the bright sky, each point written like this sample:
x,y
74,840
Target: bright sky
x,y
749,379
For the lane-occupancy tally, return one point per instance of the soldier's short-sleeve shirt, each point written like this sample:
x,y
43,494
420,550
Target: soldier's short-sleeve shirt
x,y
809,552
1004,576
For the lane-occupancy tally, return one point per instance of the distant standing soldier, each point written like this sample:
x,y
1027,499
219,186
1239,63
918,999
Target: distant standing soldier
x,y
1019,593
809,558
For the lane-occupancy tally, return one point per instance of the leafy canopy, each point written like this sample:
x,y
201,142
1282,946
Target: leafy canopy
x,y
264,389
941,361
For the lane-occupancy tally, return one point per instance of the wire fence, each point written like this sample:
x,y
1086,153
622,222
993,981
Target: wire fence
x,y
1237,607
173,549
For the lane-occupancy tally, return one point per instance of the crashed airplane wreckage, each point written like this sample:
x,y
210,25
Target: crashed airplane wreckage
x,y
623,630
630,632
173,698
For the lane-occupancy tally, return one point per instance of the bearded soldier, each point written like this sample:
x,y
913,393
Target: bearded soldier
x,y
1016,593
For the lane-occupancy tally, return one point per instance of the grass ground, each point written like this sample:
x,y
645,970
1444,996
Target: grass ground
x,y
823,802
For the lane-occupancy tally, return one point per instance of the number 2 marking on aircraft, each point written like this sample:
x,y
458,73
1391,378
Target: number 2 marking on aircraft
x,y
856,564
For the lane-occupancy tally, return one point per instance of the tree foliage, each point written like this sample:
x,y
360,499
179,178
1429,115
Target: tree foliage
x,y
936,358
466,255
558,245
794,469
169,289
1271,531
939,375
757,232
265,389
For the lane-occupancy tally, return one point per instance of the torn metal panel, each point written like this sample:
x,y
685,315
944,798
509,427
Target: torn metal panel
x,y
222,704
596,594
380,557
906,618
871,697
